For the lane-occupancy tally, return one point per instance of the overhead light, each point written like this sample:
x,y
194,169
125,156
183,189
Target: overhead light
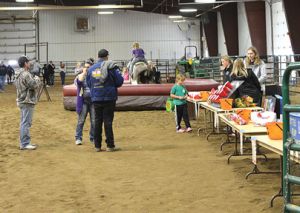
x,y
205,1
188,10
114,6
179,21
55,7
175,17
24,0
105,12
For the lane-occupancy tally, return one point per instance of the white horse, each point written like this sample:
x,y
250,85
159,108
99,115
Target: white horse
x,y
142,73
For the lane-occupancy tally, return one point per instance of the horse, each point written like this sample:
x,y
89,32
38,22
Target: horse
x,y
142,73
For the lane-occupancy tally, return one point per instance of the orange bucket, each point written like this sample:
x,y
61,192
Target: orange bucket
x,y
204,95
245,114
226,103
275,130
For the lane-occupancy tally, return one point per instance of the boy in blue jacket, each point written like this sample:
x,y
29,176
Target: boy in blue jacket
x,y
103,79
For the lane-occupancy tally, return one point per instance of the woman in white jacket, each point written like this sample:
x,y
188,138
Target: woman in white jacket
x,y
257,65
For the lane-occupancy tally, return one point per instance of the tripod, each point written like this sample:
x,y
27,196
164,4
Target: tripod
x,y
44,88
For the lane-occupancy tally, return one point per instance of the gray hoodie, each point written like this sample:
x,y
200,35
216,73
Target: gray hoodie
x,y
27,87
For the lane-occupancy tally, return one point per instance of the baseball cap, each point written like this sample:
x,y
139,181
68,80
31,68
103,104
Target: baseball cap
x,y
103,53
22,60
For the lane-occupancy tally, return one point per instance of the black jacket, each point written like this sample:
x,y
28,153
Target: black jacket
x,y
226,74
3,70
250,87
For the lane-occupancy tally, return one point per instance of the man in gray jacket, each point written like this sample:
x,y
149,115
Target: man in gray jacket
x,y
27,89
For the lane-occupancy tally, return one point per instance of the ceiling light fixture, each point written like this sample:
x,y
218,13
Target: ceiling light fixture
x,y
114,6
205,1
57,7
175,17
179,21
105,12
24,0
188,10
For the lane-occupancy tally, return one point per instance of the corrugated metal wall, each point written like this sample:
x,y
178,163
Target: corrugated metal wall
x,y
244,34
221,37
15,33
158,36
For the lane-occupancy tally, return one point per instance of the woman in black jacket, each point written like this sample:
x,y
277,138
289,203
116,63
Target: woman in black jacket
x,y
226,68
250,86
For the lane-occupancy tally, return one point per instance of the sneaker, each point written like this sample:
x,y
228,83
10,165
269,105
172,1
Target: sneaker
x,y
180,131
98,149
78,142
189,129
112,149
28,147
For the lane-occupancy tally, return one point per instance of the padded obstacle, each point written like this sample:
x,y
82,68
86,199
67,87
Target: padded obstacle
x,y
142,96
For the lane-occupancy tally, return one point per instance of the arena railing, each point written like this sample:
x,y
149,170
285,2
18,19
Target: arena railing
x,y
275,67
165,66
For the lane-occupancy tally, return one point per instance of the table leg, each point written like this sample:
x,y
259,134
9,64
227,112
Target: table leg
x,y
279,194
205,124
215,127
260,153
227,138
257,171
241,142
196,110
236,152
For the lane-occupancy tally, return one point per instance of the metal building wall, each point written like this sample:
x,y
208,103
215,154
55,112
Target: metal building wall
x,y
244,34
221,37
14,33
158,35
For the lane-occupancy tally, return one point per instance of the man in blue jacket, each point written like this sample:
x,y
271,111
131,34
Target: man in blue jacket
x,y
103,79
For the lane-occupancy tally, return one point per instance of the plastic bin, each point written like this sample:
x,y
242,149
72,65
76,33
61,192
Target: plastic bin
x,y
226,103
295,126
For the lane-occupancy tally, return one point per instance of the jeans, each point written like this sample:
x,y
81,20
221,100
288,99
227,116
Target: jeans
x,y
26,121
182,112
86,108
62,77
104,113
2,82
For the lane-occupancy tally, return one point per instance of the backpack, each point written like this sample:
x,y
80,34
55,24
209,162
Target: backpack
x,y
101,73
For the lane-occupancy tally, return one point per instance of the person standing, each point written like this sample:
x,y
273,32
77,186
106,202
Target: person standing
x,y
78,68
62,72
250,86
226,68
179,94
258,66
3,72
45,73
51,72
84,105
27,90
103,79
10,73
36,68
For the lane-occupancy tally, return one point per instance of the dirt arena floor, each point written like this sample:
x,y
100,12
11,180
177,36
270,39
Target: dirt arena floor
x,y
156,171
